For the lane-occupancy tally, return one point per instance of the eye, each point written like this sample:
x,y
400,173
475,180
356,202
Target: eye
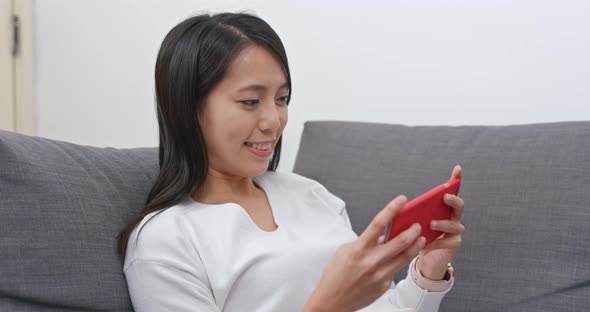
x,y
249,102
284,99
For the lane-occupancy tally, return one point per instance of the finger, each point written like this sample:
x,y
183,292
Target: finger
x,y
400,260
382,220
457,204
399,243
450,242
447,226
381,239
456,172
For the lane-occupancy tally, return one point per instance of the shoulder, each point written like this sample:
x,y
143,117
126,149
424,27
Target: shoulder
x,y
305,186
285,178
160,237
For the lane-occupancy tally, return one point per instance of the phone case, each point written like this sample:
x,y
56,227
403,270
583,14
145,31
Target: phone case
x,y
423,209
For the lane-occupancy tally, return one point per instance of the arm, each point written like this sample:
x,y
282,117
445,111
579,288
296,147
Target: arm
x,y
156,286
414,293
409,296
407,293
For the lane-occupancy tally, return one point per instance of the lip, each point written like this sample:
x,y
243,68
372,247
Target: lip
x,y
260,153
261,142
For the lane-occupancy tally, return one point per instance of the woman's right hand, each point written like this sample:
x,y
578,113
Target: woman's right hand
x,y
362,271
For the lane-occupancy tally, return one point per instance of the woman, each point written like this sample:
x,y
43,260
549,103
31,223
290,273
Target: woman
x,y
223,231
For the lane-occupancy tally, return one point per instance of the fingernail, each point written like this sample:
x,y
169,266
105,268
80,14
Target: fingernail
x,y
448,196
417,227
400,199
433,223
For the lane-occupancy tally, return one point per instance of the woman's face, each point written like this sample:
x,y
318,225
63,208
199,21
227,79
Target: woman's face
x,y
248,106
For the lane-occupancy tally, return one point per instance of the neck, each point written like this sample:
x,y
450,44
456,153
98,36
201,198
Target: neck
x,y
220,188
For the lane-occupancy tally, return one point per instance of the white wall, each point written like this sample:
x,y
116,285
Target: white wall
x,y
409,62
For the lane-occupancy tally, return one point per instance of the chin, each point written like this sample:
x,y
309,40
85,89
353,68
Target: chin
x,y
259,169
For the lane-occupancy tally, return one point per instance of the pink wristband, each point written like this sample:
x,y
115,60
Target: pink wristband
x,y
429,284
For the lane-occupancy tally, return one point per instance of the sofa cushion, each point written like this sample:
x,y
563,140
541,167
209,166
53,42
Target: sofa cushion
x,y
62,206
527,201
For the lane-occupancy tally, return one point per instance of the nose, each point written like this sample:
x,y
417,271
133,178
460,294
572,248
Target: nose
x,y
270,118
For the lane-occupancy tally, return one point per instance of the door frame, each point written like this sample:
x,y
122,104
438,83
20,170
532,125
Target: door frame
x,y
16,67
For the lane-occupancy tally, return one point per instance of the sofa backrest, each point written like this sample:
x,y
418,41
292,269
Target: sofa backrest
x,y
61,208
526,188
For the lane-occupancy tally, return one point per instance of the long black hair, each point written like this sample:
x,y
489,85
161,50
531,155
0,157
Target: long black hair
x,y
192,59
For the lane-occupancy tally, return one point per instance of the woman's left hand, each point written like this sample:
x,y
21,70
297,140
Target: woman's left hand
x,y
433,260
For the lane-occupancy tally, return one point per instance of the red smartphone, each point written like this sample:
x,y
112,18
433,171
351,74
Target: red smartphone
x,y
423,209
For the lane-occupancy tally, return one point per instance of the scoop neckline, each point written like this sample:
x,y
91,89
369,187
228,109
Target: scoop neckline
x,y
264,187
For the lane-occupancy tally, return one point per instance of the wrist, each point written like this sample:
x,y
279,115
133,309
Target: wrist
x,y
315,303
438,273
429,284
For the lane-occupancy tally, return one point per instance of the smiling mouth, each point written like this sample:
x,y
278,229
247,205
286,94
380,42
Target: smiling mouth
x,y
262,153
260,147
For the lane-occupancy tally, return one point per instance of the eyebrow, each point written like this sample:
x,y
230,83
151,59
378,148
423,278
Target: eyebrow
x,y
258,87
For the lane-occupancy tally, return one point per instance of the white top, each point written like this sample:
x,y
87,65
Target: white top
x,y
199,257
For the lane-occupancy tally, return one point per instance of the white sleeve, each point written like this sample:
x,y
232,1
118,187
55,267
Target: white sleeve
x,y
407,296
155,286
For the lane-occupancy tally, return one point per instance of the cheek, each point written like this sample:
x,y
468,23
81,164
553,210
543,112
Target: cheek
x,y
234,131
222,129
284,117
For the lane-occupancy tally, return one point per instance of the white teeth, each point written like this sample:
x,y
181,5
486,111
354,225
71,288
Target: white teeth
x,y
263,147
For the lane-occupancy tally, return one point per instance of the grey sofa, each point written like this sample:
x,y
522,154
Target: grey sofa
x,y
526,189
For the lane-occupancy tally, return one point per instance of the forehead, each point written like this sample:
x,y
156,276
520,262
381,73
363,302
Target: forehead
x,y
255,64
